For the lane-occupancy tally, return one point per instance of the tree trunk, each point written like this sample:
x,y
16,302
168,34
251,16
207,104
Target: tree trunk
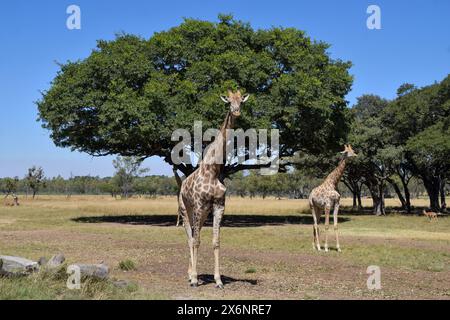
x,y
383,205
400,195
432,186
407,194
377,207
354,201
375,200
407,198
355,189
442,193
359,200
377,193
405,177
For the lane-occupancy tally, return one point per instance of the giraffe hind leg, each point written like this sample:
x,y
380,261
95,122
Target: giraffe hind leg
x,y
183,212
199,216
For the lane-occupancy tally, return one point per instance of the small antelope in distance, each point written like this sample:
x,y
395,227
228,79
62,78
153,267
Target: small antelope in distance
x,y
430,215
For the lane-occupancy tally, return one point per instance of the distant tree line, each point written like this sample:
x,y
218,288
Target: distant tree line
x,y
297,185
127,183
149,186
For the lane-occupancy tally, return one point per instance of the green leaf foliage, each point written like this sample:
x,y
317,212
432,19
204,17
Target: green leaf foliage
x,y
131,93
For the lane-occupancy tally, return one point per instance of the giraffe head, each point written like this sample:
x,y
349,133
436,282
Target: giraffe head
x,y
235,99
348,151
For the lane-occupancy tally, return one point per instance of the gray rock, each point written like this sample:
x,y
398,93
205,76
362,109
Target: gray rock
x,y
56,261
42,261
17,266
121,283
99,271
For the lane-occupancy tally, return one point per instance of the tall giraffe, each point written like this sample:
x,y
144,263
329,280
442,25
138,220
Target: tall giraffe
x,y
203,192
325,197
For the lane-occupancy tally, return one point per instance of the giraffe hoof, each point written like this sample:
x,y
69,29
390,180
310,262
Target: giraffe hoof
x,y
219,286
339,250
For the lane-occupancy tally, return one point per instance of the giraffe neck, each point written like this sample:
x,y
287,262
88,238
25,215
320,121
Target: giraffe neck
x,y
334,177
219,145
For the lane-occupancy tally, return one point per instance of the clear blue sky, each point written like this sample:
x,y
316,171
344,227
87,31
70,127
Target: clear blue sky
x,y
413,46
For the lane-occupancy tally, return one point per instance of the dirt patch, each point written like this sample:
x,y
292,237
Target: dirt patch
x,y
162,259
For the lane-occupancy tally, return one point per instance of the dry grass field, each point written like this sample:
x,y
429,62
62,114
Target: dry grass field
x,y
266,250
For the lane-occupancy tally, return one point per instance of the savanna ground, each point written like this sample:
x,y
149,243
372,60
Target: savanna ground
x,y
266,250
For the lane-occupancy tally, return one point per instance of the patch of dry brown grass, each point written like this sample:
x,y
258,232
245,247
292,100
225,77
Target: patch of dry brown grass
x,y
402,245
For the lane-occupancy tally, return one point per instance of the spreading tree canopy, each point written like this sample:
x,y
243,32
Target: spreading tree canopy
x,y
419,121
130,94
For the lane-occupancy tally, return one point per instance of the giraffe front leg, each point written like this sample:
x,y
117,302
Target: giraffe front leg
x,y
187,227
315,214
314,229
191,258
218,214
195,246
327,225
336,231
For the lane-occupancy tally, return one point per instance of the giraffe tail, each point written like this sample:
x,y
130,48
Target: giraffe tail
x,y
179,183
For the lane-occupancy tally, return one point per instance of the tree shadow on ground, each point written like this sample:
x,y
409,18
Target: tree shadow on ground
x,y
205,279
231,221
368,211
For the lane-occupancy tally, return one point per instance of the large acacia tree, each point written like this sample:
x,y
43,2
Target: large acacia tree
x,y
130,94
419,122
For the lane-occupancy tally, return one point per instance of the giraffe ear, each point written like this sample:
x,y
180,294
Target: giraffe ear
x,y
246,97
224,99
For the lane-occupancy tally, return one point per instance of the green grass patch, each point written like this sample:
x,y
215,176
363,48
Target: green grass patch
x,y
45,286
127,265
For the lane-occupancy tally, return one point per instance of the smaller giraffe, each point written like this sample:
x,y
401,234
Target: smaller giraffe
x,y
325,197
